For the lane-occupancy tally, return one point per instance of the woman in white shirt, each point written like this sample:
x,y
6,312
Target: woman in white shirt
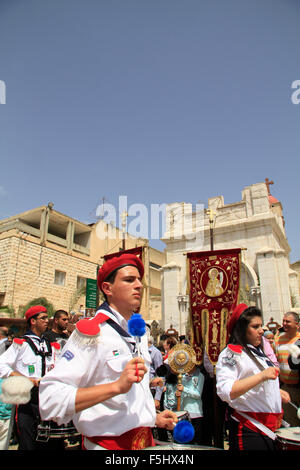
x,y
248,381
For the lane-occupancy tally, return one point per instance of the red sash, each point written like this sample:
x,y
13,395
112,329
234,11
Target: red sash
x,y
135,439
270,420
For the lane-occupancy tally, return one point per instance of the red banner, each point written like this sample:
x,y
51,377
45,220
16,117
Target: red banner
x,y
214,278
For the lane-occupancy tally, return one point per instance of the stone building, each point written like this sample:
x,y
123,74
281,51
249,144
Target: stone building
x,y
295,267
44,253
256,225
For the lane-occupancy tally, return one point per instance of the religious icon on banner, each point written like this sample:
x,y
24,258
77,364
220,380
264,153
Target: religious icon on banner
x,y
214,286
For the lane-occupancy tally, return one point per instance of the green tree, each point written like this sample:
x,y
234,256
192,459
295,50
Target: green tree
x,y
40,301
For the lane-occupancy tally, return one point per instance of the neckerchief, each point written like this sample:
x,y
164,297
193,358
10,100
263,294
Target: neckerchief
x,y
113,323
44,350
258,352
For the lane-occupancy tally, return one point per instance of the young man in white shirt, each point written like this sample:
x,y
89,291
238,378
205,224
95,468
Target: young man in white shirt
x,y
99,382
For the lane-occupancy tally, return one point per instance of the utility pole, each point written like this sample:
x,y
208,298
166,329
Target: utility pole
x,y
124,215
211,219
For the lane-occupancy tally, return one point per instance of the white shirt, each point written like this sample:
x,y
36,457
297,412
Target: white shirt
x,y
264,398
20,358
100,363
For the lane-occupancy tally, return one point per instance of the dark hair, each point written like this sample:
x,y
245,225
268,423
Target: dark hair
x,y
238,335
3,331
171,341
239,332
111,279
59,313
34,317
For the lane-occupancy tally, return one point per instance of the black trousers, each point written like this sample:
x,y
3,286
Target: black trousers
x,y
27,420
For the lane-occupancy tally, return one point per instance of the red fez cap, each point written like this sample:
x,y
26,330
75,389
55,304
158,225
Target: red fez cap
x,y
237,312
118,262
34,311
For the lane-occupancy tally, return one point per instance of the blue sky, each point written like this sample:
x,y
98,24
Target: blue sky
x,y
159,100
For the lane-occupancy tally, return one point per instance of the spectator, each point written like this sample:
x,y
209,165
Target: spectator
x,y
5,422
156,361
4,341
58,332
189,393
289,378
168,344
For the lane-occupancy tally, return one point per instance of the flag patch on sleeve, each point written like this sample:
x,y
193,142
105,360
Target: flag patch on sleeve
x,y
68,355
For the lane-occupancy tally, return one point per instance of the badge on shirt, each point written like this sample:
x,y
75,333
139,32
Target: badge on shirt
x,y
68,355
31,369
116,352
234,352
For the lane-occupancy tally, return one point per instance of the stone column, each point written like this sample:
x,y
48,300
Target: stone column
x,y
294,289
44,223
272,284
282,264
170,292
70,235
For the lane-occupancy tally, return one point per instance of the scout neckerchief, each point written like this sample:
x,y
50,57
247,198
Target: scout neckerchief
x,y
39,351
257,351
113,323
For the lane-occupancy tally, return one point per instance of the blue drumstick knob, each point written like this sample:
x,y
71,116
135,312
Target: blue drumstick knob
x,y
137,328
183,432
137,325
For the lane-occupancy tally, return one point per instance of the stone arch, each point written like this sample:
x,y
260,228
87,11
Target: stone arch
x,y
248,281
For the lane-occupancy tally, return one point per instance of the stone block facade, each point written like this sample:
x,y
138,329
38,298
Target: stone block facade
x,y
28,269
44,253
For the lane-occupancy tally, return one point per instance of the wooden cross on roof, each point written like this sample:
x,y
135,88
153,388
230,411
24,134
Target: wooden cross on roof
x,y
268,183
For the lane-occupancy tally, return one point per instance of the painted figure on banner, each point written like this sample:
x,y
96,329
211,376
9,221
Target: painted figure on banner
x,y
214,285
215,333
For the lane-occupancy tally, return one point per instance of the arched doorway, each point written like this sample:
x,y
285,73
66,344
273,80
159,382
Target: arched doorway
x,y
249,292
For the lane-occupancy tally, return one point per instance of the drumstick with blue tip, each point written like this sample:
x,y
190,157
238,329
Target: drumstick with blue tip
x,y
137,329
183,432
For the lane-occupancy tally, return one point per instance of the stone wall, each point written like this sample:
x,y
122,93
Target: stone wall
x,y
28,271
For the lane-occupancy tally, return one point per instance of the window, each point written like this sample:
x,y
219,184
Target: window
x,y
81,282
154,265
59,278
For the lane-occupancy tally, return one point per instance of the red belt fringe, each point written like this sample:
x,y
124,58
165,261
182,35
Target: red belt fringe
x,y
270,420
135,439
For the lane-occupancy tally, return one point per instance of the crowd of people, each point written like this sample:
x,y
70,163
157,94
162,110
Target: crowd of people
x,y
91,379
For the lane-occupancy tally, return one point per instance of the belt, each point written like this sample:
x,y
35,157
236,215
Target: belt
x,y
265,423
135,439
